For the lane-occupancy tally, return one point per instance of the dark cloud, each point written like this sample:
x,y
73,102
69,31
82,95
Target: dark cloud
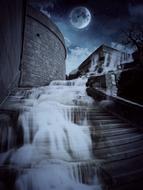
x,y
136,10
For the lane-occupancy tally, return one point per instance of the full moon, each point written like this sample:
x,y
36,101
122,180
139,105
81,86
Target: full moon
x,y
80,17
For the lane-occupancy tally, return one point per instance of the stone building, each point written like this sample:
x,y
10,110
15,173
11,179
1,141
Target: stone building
x,y
103,60
104,64
114,73
44,52
32,51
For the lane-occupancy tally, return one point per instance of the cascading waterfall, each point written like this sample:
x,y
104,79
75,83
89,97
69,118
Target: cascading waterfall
x,y
57,148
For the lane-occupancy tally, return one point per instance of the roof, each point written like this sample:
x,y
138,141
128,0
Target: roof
x,y
85,62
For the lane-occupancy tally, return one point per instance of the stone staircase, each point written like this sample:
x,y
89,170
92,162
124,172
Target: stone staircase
x,y
118,145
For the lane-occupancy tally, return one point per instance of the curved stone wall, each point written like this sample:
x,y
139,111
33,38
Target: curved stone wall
x,y
44,51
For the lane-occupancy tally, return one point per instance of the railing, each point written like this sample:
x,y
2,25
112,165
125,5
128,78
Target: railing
x,y
129,110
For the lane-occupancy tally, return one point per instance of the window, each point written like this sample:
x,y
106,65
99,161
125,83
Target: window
x,y
38,35
113,79
108,60
100,69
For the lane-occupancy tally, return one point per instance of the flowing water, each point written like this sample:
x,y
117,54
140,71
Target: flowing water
x,y
49,145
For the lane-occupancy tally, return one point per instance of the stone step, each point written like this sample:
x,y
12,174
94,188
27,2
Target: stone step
x,y
92,114
94,111
126,172
124,166
109,126
118,149
101,117
134,185
130,181
125,155
114,132
116,141
121,136
119,155
106,121
90,108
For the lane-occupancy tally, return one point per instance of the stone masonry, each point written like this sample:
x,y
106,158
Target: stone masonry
x,y
44,51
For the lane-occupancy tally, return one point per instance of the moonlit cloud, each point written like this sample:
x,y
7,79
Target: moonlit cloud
x,y
45,12
75,57
67,42
121,47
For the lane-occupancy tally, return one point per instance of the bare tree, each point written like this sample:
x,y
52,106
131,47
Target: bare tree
x,y
133,36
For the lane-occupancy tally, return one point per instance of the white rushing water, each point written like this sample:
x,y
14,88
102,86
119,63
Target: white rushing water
x,y
56,144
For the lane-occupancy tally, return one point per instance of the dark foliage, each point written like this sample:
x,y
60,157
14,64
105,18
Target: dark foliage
x,y
130,85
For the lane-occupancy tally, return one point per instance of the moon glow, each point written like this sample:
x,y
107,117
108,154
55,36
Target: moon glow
x,y
80,17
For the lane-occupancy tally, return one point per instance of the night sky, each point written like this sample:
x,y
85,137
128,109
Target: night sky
x,y
108,18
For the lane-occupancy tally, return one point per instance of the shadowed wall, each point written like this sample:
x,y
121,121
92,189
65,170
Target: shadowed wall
x,y
11,35
32,51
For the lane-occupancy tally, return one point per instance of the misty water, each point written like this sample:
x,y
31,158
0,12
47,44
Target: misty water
x,y
56,152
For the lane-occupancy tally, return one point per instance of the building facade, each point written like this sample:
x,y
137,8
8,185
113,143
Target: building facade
x,y
104,65
32,51
12,14
44,52
103,60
